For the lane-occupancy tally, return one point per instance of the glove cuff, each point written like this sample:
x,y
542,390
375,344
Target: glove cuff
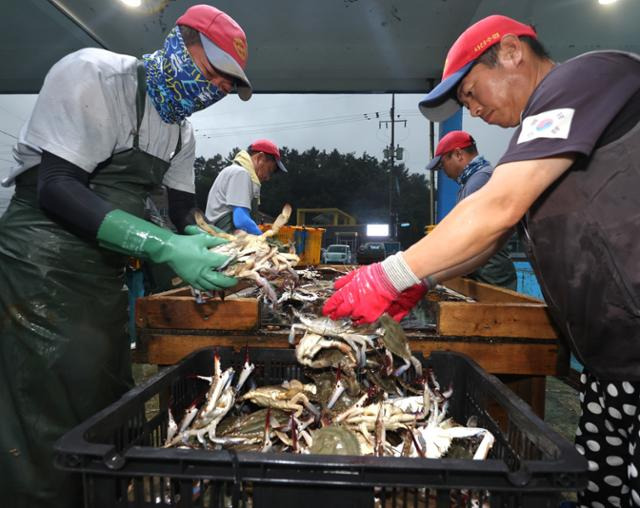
x,y
125,233
398,272
429,282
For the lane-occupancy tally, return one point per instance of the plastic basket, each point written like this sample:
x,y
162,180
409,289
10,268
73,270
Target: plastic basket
x,y
306,240
118,455
313,246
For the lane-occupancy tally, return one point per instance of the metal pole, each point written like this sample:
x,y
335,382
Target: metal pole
x,y
432,180
393,205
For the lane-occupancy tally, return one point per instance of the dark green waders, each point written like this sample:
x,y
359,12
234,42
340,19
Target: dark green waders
x,y
64,346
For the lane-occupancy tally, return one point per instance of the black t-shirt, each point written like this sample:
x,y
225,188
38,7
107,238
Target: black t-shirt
x,y
574,107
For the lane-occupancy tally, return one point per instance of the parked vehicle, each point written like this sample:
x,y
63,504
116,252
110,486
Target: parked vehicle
x,y
337,254
370,252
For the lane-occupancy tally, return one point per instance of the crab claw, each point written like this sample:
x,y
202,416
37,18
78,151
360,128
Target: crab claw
x,y
188,417
402,369
217,370
294,433
416,443
380,432
337,391
267,431
172,427
312,409
292,335
197,295
247,369
387,362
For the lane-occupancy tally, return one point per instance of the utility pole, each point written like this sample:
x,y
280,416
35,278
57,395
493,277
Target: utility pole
x,y
390,153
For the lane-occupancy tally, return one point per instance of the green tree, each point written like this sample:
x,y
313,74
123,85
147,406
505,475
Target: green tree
x,y
359,185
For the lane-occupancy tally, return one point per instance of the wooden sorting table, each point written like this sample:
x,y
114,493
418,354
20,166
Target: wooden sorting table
x,y
509,334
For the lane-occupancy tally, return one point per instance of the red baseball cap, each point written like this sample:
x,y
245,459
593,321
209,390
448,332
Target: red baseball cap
x,y
266,146
223,40
448,143
442,102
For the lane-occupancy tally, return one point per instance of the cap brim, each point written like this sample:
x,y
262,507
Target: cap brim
x,y
281,166
441,102
435,162
225,63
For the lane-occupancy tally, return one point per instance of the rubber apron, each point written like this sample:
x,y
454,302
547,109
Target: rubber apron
x,y
65,350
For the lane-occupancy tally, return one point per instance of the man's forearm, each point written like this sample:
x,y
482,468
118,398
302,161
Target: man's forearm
x,y
471,264
480,220
461,242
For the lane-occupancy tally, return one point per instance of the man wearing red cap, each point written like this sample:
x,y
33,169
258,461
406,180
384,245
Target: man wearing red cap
x,y
457,155
107,130
569,180
235,194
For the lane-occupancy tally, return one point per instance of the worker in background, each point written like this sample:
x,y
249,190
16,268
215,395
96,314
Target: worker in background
x,y
569,180
106,130
235,194
457,155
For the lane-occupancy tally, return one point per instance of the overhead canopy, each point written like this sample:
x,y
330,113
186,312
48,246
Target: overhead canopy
x,y
307,45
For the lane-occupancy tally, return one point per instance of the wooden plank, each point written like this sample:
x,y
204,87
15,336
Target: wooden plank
x,y
526,320
535,358
186,291
487,293
531,389
499,357
182,312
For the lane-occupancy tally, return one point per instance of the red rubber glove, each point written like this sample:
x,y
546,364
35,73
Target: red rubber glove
x,y
341,281
364,295
406,301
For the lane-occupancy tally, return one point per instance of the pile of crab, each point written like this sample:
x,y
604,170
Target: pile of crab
x,y
258,258
356,402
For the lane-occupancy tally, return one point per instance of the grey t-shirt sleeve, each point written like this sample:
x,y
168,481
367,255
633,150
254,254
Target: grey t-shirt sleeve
x,y
573,106
75,116
239,190
474,183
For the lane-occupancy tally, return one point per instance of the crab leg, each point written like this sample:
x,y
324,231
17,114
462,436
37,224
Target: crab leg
x,y
172,429
337,391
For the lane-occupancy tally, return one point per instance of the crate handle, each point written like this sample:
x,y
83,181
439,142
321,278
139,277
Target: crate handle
x,y
519,478
114,461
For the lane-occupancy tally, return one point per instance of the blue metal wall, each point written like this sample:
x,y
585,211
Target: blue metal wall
x,y
447,188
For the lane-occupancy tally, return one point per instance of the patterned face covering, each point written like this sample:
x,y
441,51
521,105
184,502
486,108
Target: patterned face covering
x,y
475,165
174,83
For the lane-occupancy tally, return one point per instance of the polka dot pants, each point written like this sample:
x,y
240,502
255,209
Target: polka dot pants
x,y
607,436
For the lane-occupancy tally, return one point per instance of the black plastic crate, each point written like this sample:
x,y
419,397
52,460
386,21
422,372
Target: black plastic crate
x,y
118,452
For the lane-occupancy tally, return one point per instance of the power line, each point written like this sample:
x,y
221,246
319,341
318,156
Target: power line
x,y
8,134
297,123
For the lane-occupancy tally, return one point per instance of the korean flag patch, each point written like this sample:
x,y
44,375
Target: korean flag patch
x,y
550,124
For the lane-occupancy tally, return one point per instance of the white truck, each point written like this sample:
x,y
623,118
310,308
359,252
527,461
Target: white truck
x,y
337,254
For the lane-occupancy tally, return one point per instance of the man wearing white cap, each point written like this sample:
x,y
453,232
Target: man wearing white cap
x,y
569,180
235,194
107,129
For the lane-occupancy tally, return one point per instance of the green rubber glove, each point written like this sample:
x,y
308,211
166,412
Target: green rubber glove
x,y
188,256
192,229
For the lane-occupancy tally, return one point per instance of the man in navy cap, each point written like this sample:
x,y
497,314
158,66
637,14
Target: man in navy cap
x,y
569,180
457,155
235,194
107,130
